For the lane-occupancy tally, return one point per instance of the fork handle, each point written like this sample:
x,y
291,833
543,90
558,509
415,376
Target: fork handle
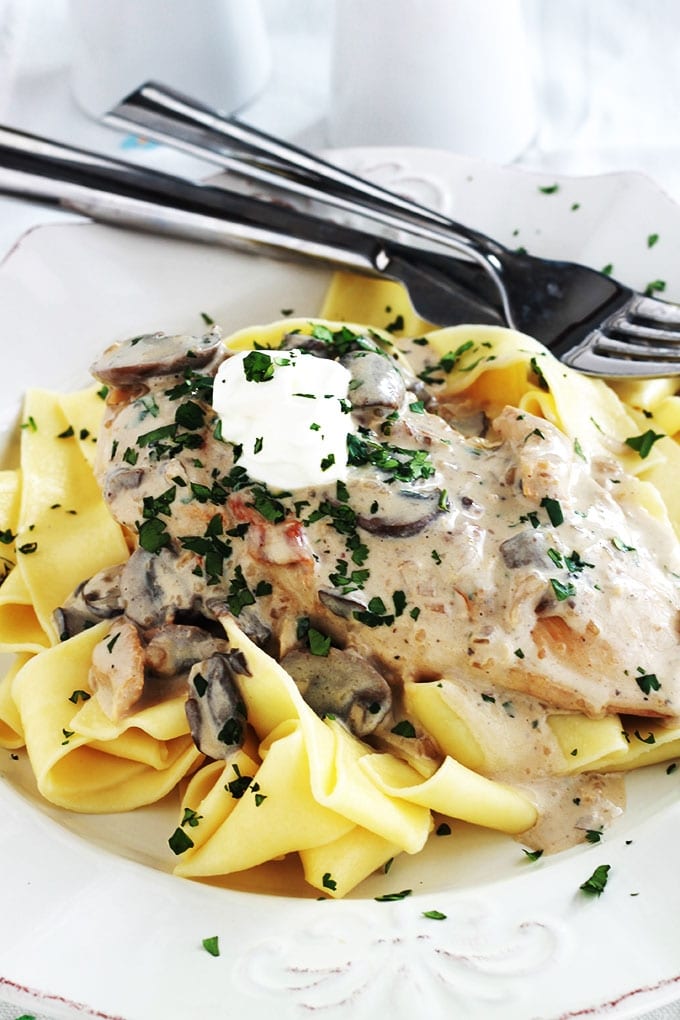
x,y
123,194
171,117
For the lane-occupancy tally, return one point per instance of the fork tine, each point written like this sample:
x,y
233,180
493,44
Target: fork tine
x,y
639,336
592,357
617,347
654,312
643,327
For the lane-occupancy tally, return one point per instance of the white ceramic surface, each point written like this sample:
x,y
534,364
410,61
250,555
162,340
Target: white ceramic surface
x,y
90,916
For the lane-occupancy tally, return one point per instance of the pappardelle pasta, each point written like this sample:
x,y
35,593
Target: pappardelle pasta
x,y
334,585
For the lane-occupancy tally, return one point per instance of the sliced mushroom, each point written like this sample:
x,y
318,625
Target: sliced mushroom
x,y
92,601
376,381
153,354
394,510
121,479
342,684
249,620
154,588
117,671
342,603
174,648
305,342
525,549
215,709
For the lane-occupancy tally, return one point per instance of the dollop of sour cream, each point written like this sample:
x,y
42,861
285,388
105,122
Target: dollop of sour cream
x,y
288,412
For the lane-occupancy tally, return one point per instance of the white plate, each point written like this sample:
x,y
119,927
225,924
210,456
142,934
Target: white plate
x,y
89,914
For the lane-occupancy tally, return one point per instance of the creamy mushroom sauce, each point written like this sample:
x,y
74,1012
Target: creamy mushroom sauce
x,y
500,560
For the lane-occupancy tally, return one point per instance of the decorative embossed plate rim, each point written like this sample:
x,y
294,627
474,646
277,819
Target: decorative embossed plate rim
x,y
93,925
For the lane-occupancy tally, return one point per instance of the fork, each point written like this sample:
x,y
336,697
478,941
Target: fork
x,y
591,321
443,289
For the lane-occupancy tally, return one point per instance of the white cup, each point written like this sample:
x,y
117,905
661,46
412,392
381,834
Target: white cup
x,y
449,74
213,50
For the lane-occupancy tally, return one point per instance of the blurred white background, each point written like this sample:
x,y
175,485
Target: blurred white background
x,y
604,76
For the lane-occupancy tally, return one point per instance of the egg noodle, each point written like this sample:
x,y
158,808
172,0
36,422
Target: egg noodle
x,y
301,783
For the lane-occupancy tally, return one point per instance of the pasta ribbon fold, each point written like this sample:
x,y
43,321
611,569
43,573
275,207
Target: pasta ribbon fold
x,y
96,767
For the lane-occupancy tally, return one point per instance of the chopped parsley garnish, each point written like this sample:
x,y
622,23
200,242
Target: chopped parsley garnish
x,y
643,443
404,729
258,366
553,508
593,835
194,384
79,696
211,945
647,682
375,615
445,364
271,509
237,787
404,465
153,535
538,372
329,882
213,548
596,883
556,557
562,591
152,506
190,415
621,545
434,915
394,896
110,645
532,855
180,842
319,644
239,595
575,564
191,818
